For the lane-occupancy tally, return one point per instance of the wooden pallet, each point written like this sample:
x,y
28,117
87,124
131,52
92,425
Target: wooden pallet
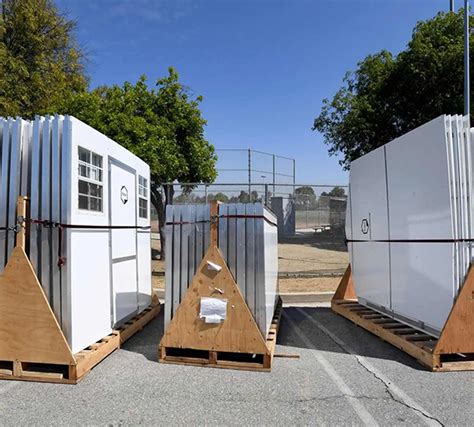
x,y
227,360
32,344
84,360
453,351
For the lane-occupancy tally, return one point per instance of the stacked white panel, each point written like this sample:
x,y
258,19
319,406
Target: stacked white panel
x,y
368,207
428,177
14,152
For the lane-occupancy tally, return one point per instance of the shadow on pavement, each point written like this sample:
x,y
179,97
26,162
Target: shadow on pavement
x,y
359,340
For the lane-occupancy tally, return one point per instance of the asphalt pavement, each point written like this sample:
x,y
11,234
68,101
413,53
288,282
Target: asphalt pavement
x,y
344,376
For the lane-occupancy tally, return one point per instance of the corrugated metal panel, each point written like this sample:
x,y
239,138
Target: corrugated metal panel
x,y
4,174
35,206
56,135
14,180
250,252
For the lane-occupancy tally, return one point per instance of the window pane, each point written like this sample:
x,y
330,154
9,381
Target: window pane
x,y
84,155
96,160
90,196
83,187
96,174
83,202
84,171
143,208
95,204
95,190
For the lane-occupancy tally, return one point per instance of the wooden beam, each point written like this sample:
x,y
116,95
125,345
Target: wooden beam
x,y
345,290
457,335
29,330
238,333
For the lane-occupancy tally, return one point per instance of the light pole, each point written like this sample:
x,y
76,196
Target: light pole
x,y
467,104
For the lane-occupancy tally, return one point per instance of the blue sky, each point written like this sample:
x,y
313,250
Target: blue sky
x,y
262,66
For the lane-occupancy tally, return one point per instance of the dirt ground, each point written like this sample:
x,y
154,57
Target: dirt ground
x,y
306,254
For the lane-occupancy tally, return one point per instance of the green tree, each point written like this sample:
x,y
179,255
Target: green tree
x,y
162,126
389,95
41,64
337,192
221,197
304,197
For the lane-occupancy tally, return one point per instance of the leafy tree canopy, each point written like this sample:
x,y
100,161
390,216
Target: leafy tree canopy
x,y
163,126
305,190
40,62
337,192
389,95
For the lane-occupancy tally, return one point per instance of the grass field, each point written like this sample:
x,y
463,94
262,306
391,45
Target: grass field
x,y
302,257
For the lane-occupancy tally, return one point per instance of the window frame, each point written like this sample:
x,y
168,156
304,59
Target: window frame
x,y
92,169
143,188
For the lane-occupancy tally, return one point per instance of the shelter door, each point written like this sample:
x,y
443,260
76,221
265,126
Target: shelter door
x,y
123,212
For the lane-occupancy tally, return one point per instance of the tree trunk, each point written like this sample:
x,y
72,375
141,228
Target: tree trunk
x,y
160,203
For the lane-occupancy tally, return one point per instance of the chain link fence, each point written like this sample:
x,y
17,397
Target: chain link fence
x,y
316,208
312,251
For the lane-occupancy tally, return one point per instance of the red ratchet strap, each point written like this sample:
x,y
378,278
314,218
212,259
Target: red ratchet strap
x,y
223,216
242,216
61,226
54,224
188,222
413,241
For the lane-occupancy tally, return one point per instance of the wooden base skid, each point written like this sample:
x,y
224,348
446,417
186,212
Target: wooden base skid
x,y
223,359
85,359
412,341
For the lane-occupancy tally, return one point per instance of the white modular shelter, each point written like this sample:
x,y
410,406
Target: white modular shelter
x,y
248,241
409,223
95,267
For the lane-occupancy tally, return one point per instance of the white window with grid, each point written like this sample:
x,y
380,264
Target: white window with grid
x,y
142,197
90,180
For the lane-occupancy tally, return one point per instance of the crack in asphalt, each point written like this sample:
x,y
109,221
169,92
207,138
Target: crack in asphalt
x,y
389,392
385,384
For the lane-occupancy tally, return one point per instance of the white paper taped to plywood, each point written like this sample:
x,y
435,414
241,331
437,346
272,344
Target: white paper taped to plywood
x,y
213,310
213,267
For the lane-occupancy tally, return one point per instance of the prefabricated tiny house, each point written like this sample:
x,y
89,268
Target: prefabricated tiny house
x,y
89,236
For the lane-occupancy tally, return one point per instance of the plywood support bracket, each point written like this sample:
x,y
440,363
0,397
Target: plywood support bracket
x,y
190,340
32,344
29,330
457,335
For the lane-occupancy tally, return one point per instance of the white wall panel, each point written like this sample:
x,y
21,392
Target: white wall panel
x,y
89,289
422,282
419,194
371,273
369,197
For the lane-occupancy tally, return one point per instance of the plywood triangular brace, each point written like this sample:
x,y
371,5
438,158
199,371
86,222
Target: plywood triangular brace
x,y
29,331
237,333
346,290
457,335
